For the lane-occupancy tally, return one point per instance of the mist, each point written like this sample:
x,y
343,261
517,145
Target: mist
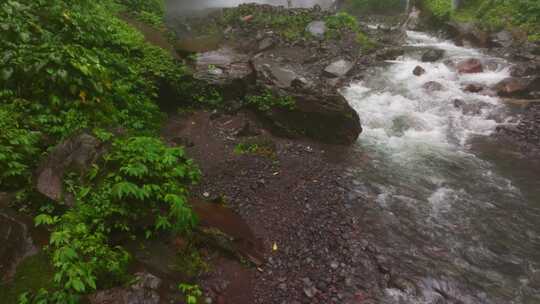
x,y
183,7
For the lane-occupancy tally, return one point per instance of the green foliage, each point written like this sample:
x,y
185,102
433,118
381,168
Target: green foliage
x,y
377,6
268,100
256,146
441,9
69,69
140,179
492,14
365,42
191,292
341,22
289,24
18,148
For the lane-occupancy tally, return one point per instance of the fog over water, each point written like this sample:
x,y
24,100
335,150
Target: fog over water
x,y
181,7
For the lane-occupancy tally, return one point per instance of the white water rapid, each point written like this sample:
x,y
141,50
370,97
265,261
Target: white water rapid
x,y
454,223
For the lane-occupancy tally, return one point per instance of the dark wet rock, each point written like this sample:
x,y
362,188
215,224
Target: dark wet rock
x,y
75,154
247,130
474,87
319,112
227,69
469,32
518,87
432,55
474,108
525,69
432,86
16,243
338,68
143,291
317,29
419,71
470,66
390,53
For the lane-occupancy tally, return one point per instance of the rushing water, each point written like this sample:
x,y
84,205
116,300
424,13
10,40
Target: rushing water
x,y
454,222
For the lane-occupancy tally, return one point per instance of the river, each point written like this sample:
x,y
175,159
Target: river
x,y
457,216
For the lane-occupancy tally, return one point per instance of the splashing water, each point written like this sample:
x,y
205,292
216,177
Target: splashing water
x,y
461,230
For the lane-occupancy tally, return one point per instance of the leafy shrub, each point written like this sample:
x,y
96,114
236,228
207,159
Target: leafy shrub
x,y
18,148
341,22
379,6
192,292
288,24
141,179
268,100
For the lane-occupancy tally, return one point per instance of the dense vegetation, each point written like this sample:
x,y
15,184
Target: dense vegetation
x,y
377,6
69,66
492,14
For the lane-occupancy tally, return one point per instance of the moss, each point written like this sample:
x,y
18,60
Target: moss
x,y
33,273
289,24
256,146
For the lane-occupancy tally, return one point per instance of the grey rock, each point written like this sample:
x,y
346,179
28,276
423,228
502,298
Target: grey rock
x,y
432,86
317,29
419,71
265,44
339,68
142,292
432,55
77,153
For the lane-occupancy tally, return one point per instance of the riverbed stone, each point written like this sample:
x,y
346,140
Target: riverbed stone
x,y
470,66
419,71
317,29
226,69
432,86
338,68
143,291
432,55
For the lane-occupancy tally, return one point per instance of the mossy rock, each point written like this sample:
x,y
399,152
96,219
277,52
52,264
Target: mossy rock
x,y
34,273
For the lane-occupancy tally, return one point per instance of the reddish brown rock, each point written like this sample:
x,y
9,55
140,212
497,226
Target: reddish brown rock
x,y
470,66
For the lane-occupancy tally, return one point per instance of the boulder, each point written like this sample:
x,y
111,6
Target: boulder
x,y
143,291
474,87
469,32
76,153
518,87
419,71
16,243
504,38
432,86
320,112
389,53
470,66
225,69
338,68
317,29
432,55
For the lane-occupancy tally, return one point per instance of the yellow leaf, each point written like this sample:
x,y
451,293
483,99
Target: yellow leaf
x,y
82,95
